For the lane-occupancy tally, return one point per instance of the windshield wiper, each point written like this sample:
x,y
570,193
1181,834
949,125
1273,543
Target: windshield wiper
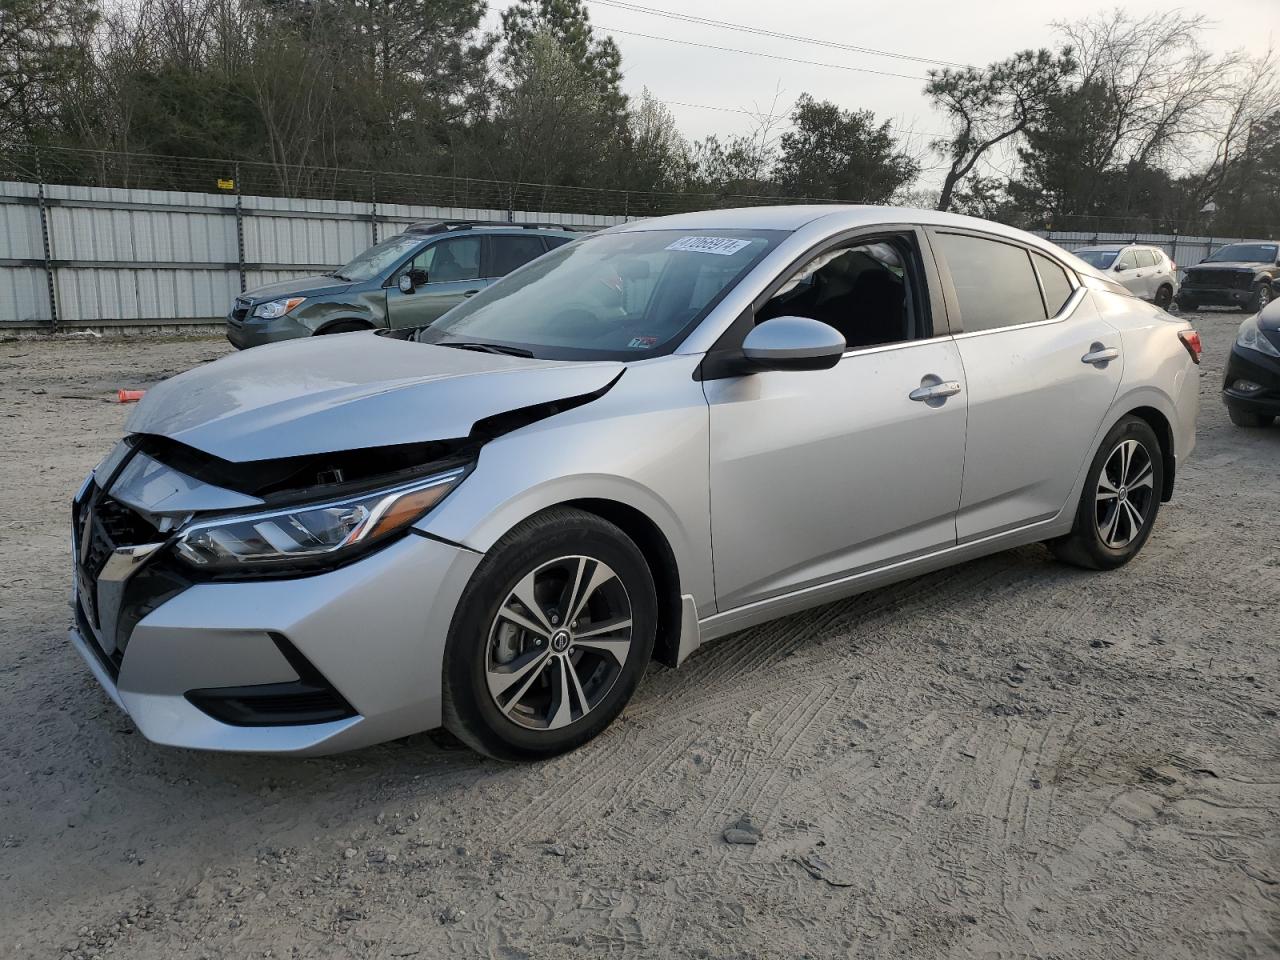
x,y
339,276
501,348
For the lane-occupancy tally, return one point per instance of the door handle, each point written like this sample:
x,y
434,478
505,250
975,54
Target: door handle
x,y
1098,354
935,391
469,293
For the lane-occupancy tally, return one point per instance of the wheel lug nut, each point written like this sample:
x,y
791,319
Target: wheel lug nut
x,y
571,649
554,620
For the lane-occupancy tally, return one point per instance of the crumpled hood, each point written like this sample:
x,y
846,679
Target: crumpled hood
x,y
349,392
283,288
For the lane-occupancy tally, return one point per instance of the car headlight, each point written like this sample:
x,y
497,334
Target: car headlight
x,y
1251,338
312,532
277,308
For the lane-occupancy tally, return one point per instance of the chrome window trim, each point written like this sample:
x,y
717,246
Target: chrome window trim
x,y
896,345
1068,308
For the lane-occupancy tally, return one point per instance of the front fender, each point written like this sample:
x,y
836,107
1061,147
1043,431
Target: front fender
x,y
643,444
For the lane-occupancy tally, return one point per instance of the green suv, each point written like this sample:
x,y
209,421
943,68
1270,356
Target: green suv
x,y
405,281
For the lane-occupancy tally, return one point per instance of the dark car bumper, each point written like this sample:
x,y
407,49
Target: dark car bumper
x,y
1252,367
1214,296
254,333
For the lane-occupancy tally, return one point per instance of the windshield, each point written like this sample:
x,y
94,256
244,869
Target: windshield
x,y
378,258
1246,253
617,296
1099,259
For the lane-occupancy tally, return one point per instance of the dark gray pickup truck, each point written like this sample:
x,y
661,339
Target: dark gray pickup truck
x,y
1238,275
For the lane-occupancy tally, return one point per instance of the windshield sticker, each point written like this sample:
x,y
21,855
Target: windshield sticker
x,y
720,246
643,343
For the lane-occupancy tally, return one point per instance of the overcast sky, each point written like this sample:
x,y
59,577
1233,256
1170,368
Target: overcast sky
x,y
963,31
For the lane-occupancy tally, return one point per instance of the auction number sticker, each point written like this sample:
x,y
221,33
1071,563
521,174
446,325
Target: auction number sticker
x,y
720,246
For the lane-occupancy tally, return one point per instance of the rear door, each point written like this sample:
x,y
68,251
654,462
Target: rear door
x,y
444,274
1148,273
1042,368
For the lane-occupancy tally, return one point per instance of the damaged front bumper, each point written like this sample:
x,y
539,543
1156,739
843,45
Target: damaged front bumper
x,y
300,665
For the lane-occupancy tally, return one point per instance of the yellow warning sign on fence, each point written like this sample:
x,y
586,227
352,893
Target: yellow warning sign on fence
x,y
226,184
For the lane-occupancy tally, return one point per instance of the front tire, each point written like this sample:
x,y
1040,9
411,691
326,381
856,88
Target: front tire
x,y
1248,419
1120,500
1261,297
1164,296
550,638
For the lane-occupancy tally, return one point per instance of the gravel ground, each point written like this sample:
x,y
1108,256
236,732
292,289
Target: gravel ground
x,y
1007,759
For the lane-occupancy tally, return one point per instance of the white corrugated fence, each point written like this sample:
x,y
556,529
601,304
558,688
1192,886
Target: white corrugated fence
x,y
124,256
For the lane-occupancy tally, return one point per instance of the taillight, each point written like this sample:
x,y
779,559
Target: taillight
x,y
1191,340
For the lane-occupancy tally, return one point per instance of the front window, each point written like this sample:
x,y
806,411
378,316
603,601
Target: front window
x,y
379,258
1098,259
617,296
1246,253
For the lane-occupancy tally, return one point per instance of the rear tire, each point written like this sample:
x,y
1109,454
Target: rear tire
x,y
1120,500
1248,419
550,638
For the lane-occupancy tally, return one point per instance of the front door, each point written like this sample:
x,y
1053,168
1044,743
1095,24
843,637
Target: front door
x,y
444,274
1041,376
817,474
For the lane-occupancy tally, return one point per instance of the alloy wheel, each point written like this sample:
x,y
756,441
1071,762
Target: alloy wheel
x,y
1126,491
558,643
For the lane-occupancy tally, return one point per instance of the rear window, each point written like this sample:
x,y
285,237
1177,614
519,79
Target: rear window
x,y
507,252
994,282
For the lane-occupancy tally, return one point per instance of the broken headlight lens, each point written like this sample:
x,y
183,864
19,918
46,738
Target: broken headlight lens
x,y
312,532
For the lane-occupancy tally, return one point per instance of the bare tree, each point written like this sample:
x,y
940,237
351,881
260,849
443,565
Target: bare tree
x,y
991,107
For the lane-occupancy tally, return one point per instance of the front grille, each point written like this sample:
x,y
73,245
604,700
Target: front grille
x,y
1220,279
124,526
104,525
110,662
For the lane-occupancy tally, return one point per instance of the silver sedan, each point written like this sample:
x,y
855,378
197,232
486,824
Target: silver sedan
x,y
636,444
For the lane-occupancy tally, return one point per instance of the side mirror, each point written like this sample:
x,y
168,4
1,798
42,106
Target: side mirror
x,y
1118,267
793,343
406,283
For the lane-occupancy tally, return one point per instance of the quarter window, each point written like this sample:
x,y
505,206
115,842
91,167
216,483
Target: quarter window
x,y
865,290
1053,280
994,282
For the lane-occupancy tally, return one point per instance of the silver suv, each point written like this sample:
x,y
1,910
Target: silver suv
x,y
643,441
1144,271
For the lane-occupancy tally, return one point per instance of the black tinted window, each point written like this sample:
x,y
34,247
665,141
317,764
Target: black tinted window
x,y
507,253
553,242
863,290
1057,288
993,282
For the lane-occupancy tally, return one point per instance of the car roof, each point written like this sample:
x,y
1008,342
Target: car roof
x,y
834,216
437,228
